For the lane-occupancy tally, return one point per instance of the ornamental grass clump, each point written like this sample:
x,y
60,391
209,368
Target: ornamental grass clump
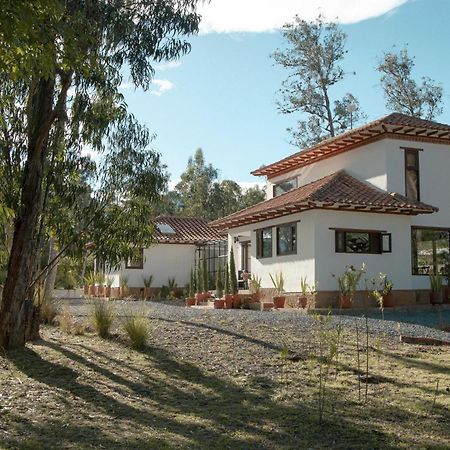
x,y
102,315
137,329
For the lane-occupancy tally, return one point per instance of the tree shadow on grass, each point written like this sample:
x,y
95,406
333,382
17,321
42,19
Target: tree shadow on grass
x,y
182,405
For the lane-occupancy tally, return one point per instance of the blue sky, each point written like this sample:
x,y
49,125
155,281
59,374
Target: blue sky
x,y
222,96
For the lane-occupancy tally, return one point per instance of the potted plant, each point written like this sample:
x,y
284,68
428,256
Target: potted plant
x,y
446,294
190,300
147,284
436,289
199,295
278,283
312,296
90,281
123,284
228,296
100,285
386,286
255,283
233,280
348,284
304,288
109,282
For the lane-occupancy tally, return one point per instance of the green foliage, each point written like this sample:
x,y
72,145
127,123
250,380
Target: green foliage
x,y
304,287
137,330
349,281
109,280
313,57
147,281
233,274
191,289
123,280
102,315
205,274
227,286
403,94
90,279
436,282
199,277
200,194
278,282
171,283
255,282
219,284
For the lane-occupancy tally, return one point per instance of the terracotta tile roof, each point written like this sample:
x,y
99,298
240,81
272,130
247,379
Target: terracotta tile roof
x,y
395,126
184,230
338,191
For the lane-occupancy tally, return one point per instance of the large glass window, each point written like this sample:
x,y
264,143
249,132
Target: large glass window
x,y
412,180
264,243
284,186
287,239
355,241
430,250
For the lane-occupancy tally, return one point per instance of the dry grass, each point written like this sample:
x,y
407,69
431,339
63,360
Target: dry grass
x,y
218,385
137,329
102,315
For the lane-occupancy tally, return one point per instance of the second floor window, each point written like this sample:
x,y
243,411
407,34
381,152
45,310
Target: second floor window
x,y
284,186
412,181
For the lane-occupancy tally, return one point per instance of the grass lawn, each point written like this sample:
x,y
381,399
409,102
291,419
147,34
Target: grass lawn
x,y
217,385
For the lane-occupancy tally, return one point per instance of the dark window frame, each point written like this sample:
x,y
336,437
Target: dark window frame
x,y
413,168
129,263
284,181
375,238
259,243
293,227
416,227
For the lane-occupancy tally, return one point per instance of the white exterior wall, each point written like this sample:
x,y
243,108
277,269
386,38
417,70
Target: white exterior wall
x,y
368,163
162,261
397,265
382,164
292,266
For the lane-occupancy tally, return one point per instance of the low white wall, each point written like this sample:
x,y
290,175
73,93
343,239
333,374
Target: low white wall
x,y
162,261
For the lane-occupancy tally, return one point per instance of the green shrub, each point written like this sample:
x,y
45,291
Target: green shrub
x,y
49,310
137,329
103,315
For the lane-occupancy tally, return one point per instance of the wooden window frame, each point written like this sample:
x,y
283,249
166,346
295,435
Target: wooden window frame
x,y
284,181
140,266
415,168
259,243
380,238
417,227
293,226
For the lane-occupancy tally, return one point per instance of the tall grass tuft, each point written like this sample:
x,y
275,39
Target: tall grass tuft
x,y
49,309
137,328
102,314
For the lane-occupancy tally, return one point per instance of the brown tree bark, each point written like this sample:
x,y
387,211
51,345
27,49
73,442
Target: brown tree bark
x,y
14,311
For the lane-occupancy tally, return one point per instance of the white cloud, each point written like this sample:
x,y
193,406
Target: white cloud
x,y
228,16
126,86
162,86
168,65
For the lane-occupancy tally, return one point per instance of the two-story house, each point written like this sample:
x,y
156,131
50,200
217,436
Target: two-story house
x,y
377,194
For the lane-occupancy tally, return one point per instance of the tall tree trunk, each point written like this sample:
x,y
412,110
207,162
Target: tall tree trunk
x,y
51,275
14,311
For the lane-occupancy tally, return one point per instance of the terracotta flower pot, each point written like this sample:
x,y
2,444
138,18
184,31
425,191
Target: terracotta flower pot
x,y
108,291
86,289
256,297
302,302
100,291
228,301
388,301
446,294
436,298
92,290
190,301
279,301
219,303
236,300
345,301
147,292
199,297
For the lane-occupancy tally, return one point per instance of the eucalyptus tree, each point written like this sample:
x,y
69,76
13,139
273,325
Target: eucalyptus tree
x,y
313,57
403,93
69,56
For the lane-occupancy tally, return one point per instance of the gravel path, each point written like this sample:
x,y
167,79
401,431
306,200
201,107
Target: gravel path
x,y
174,311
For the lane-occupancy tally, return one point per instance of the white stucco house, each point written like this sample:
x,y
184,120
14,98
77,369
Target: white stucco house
x,y
377,194
179,242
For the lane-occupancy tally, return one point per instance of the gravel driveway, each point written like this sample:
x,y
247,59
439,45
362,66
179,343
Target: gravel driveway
x,y
396,322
